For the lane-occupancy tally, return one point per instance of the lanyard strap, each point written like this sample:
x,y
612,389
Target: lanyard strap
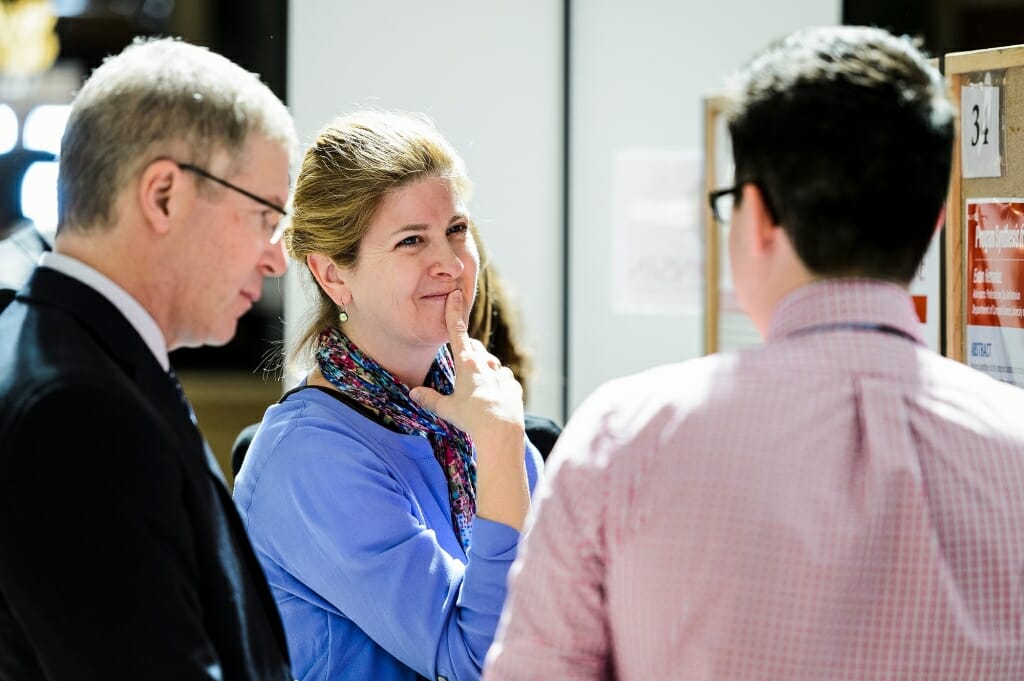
x,y
853,326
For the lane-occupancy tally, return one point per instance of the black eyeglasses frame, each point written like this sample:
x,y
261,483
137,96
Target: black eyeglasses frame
x,y
735,190
221,181
714,196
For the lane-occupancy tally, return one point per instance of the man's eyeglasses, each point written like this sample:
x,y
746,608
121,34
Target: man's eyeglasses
x,y
278,230
723,200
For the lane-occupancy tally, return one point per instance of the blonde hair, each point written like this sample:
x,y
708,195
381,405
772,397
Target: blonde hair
x,y
355,162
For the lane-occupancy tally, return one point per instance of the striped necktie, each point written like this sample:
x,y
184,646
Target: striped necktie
x,y
211,460
181,396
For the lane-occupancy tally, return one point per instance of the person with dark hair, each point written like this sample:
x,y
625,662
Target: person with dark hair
x,y
492,322
122,555
386,493
839,503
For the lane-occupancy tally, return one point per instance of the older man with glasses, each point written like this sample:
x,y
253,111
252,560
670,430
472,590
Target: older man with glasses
x,y
121,553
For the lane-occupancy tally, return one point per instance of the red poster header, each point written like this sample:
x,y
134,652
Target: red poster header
x,y
995,263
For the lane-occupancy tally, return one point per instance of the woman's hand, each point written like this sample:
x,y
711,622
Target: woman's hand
x,y
487,403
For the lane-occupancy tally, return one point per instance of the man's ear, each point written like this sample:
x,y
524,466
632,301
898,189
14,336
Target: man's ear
x,y
160,193
764,231
330,277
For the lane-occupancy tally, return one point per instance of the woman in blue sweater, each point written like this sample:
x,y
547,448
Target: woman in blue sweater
x,y
385,497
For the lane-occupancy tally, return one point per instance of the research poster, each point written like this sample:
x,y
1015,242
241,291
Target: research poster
x,y
995,278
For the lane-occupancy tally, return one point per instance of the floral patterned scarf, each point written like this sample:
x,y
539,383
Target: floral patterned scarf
x,y
369,384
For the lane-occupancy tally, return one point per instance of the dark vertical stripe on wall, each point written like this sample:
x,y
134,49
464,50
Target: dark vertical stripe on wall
x,y
566,169
898,16
256,38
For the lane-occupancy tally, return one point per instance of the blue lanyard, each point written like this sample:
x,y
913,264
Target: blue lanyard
x,y
853,326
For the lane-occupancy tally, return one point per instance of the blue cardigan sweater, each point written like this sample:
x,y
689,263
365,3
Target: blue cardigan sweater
x,y
351,522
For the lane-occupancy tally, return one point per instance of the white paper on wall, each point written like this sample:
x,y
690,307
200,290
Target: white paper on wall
x,y
980,127
657,251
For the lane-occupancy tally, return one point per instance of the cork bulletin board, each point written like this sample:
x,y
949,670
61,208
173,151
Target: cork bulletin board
x,y
985,213
726,326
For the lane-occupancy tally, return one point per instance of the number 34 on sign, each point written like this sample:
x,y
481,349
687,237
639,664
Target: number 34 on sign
x,y
980,130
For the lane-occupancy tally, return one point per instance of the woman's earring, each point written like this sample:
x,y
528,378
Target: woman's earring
x,y
343,315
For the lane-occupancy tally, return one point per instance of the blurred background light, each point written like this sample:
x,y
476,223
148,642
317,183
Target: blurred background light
x,y
44,127
39,196
8,128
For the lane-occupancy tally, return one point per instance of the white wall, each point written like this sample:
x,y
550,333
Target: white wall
x,y
639,71
490,76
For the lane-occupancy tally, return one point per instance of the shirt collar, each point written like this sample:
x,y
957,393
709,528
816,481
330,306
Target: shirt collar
x,y
843,301
133,311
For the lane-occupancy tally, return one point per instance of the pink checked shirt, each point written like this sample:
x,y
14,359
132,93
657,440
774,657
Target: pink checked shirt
x,y
839,504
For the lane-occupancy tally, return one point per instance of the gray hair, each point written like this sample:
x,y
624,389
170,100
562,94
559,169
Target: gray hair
x,y
154,98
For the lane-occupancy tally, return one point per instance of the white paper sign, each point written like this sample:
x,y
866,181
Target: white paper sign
x,y
657,252
979,130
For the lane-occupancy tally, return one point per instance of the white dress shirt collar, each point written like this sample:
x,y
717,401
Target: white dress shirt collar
x,y
133,311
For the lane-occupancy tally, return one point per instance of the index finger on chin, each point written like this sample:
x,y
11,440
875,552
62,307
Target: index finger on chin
x,y
458,334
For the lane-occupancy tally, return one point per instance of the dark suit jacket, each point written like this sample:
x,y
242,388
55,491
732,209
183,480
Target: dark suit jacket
x,y
121,554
